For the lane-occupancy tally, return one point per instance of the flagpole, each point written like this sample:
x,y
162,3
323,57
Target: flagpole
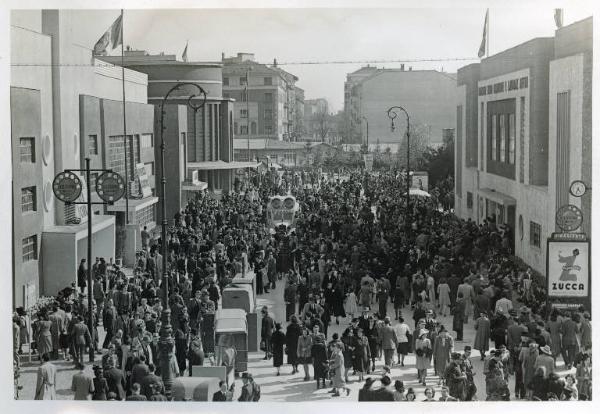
x,y
487,40
124,121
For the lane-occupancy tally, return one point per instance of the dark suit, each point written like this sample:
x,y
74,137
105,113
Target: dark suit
x,y
138,372
116,382
219,396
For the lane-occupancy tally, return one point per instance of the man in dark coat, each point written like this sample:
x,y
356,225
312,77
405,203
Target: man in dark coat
x,y
109,321
221,395
115,380
383,393
266,331
458,319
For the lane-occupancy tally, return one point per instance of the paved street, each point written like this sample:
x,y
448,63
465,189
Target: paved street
x,y
289,387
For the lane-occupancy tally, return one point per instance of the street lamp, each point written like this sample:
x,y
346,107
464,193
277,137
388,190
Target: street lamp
x,y
367,122
392,114
166,341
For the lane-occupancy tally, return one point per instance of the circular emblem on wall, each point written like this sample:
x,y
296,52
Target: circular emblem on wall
x,y
110,187
577,188
46,149
569,218
67,187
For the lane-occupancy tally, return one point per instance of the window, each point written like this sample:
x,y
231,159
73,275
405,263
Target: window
x,y
268,129
535,234
149,166
27,148
244,113
522,140
469,199
244,130
511,138
28,199
226,95
144,216
268,113
225,81
482,91
243,80
30,248
502,137
513,84
146,141
523,83
494,143
499,87
268,97
268,81
93,144
489,90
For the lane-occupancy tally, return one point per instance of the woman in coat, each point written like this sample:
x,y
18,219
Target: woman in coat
x,y
277,343
292,333
46,379
443,347
443,290
350,306
319,359
349,344
423,351
337,366
362,354
304,351
496,386
482,335
44,336
374,341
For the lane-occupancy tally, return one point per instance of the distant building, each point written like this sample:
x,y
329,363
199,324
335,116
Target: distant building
x,y
63,110
523,134
265,104
286,154
351,108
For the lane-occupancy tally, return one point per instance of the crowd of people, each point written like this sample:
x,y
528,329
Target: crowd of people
x,y
355,247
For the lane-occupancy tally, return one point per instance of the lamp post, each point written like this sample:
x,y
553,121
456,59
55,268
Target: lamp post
x,y
166,341
392,114
367,122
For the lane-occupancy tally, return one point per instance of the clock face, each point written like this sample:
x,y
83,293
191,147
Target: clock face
x,y
577,188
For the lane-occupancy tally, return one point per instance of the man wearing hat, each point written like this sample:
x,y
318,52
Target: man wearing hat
x,y
266,332
250,389
545,359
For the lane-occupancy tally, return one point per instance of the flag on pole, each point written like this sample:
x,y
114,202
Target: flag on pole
x,y
483,46
558,18
112,38
184,54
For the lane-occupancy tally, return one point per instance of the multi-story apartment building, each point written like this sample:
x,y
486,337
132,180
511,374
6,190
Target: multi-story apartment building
x,y
265,98
523,134
427,96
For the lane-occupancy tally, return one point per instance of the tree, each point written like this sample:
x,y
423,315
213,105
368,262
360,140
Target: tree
x,y
322,124
439,162
418,147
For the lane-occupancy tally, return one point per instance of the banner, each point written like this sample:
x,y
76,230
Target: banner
x,y
368,158
568,269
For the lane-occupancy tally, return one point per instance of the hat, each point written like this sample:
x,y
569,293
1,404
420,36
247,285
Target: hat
x,y
455,355
247,375
546,350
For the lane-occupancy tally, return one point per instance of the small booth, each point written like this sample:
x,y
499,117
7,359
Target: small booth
x,y
231,332
248,279
194,388
238,297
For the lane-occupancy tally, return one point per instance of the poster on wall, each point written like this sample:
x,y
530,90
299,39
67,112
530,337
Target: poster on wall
x,y
568,270
142,176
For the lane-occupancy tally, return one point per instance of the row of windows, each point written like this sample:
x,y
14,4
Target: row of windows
x,y
268,81
27,149
143,141
30,248
145,215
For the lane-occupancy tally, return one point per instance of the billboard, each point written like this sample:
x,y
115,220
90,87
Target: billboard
x,y
568,270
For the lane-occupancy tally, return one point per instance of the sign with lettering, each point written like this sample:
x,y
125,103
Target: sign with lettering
x,y
67,187
110,187
143,180
569,217
420,180
568,269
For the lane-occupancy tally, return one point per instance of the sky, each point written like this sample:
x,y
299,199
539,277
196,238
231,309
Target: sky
x,y
325,35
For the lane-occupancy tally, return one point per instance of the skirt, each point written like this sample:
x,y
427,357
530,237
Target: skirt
x,y
403,348
304,360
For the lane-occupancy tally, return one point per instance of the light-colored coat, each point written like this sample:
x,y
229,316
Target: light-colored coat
x,y
46,382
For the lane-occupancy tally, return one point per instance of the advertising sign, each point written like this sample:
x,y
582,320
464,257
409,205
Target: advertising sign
x,y
568,270
420,180
569,217
67,187
110,187
142,176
